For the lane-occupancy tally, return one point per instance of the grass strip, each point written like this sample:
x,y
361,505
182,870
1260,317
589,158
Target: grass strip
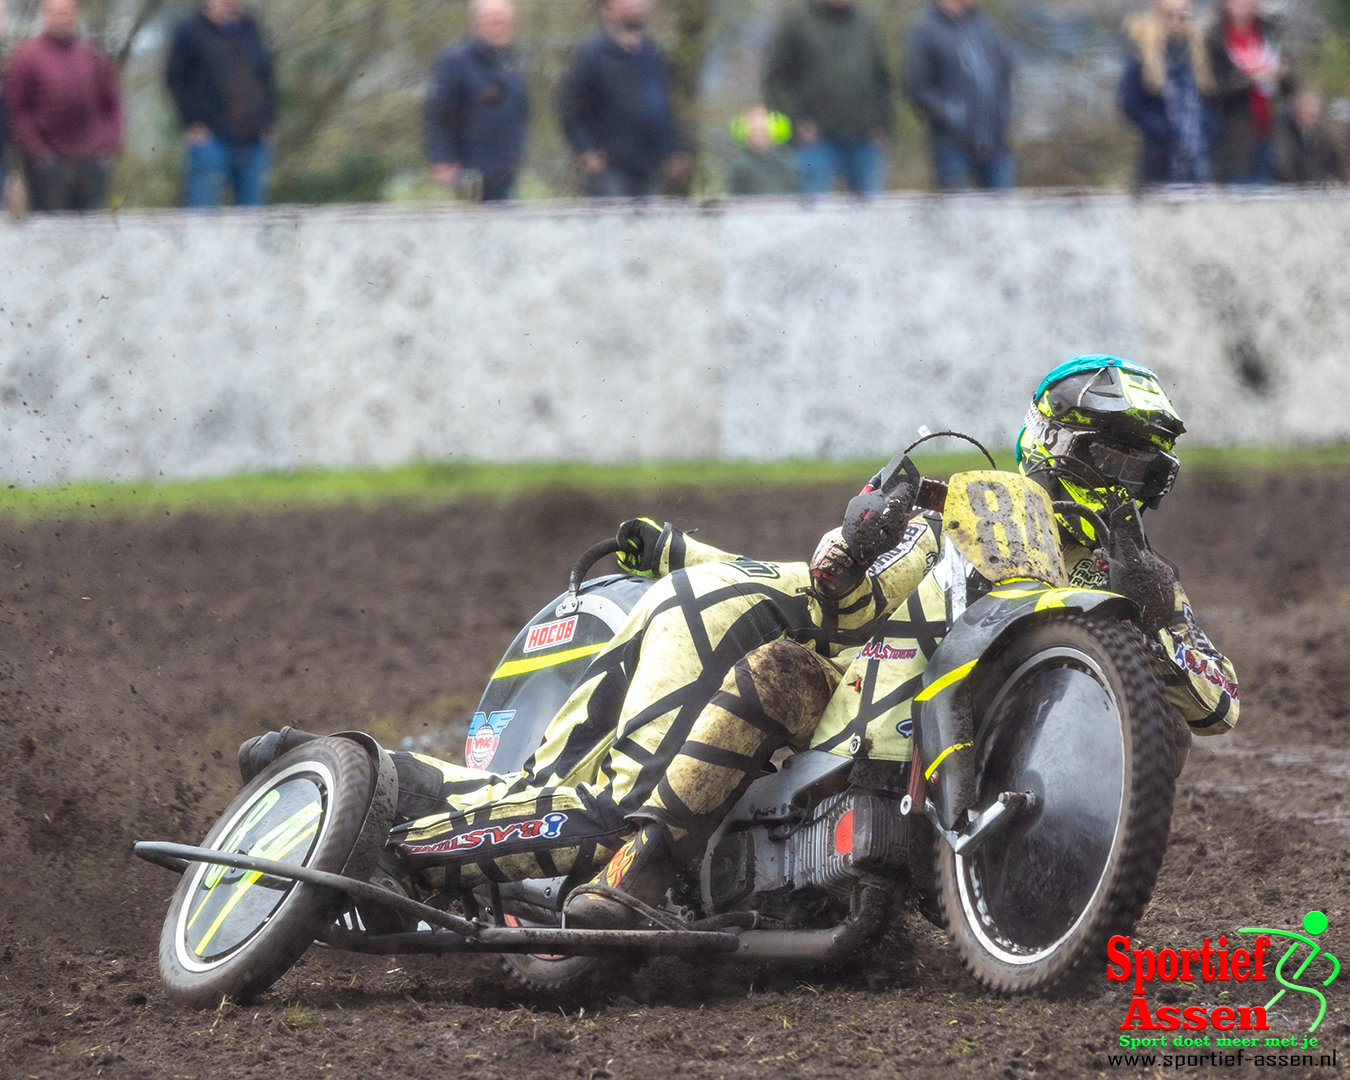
x,y
440,483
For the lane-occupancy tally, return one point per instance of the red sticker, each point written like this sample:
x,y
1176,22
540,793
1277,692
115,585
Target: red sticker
x,y
546,635
843,835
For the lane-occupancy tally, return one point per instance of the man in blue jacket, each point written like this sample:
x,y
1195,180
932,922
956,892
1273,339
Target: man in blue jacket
x,y
615,106
478,108
959,76
220,76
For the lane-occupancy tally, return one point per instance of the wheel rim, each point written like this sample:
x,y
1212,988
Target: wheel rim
x,y
1054,729
227,908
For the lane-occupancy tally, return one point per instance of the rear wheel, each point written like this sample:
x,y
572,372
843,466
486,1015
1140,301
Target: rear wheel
x,y
232,933
551,973
1074,712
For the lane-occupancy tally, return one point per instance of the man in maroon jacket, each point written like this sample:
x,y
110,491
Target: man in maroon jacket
x,y
65,114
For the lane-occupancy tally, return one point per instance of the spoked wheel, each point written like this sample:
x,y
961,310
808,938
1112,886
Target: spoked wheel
x,y
232,933
1074,713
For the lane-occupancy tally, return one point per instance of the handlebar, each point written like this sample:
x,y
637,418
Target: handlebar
x,y
1068,509
589,558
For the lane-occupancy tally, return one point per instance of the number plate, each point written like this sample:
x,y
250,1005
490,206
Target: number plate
x,y
1004,524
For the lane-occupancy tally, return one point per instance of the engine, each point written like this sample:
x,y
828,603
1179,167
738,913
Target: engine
x,y
846,836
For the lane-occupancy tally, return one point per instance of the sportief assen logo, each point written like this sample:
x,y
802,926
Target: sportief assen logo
x,y
1249,964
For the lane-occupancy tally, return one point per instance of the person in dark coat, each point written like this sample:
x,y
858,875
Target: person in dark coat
x,y
826,71
220,76
1249,77
959,76
1166,91
1305,152
616,110
65,109
4,113
478,108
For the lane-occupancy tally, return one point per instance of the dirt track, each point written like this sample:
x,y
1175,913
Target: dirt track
x,y
138,654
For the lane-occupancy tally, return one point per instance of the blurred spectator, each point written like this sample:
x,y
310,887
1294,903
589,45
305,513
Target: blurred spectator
x,y
826,70
4,145
615,106
478,109
1248,74
1305,152
759,165
65,110
959,74
220,76
1164,92
4,113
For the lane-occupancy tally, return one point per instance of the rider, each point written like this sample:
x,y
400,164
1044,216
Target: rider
x,y
1113,415
725,660
1099,434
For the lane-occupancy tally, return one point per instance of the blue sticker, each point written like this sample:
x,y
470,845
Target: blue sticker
x,y
485,732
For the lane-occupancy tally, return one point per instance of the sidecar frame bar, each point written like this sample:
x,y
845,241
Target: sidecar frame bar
x,y
466,935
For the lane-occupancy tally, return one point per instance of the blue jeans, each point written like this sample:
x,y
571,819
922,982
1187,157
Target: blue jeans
x,y
207,168
956,170
862,165
1261,169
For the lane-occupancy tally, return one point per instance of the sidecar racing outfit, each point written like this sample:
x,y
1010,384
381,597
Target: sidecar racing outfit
x,y
726,659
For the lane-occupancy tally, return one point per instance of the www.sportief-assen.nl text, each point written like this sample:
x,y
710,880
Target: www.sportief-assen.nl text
x,y
1184,1061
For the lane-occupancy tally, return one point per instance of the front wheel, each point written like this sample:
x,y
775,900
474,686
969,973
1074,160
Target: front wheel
x,y
232,933
1074,712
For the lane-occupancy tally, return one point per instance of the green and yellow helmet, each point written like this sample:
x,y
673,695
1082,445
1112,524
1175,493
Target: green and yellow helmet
x,y
1101,430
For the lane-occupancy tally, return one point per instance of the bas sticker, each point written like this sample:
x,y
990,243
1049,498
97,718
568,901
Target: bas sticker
x,y
550,825
485,732
546,635
1197,663
879,650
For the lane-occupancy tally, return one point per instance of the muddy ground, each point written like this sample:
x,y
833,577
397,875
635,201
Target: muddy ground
x,y
136,654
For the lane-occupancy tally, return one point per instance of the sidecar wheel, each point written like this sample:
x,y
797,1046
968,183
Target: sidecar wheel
x,y
1074,712
232,933
549,974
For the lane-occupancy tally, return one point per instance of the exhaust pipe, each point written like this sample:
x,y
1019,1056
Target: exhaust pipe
x,y
818,946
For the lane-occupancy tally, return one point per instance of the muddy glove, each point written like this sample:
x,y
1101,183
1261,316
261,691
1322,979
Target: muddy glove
x,y
639,546
1136,572
834,572
875,520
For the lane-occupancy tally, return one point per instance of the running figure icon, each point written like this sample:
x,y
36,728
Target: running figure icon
x,y
1315,923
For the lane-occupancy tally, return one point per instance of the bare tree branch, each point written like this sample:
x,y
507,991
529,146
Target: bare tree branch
x,y
147,11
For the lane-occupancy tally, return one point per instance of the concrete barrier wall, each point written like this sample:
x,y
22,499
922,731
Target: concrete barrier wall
x,y
179,345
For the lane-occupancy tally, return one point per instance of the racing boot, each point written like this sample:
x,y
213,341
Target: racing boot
x,y
260,751
642,868
392,874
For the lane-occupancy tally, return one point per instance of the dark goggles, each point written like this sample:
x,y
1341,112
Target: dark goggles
x,y
1146,474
